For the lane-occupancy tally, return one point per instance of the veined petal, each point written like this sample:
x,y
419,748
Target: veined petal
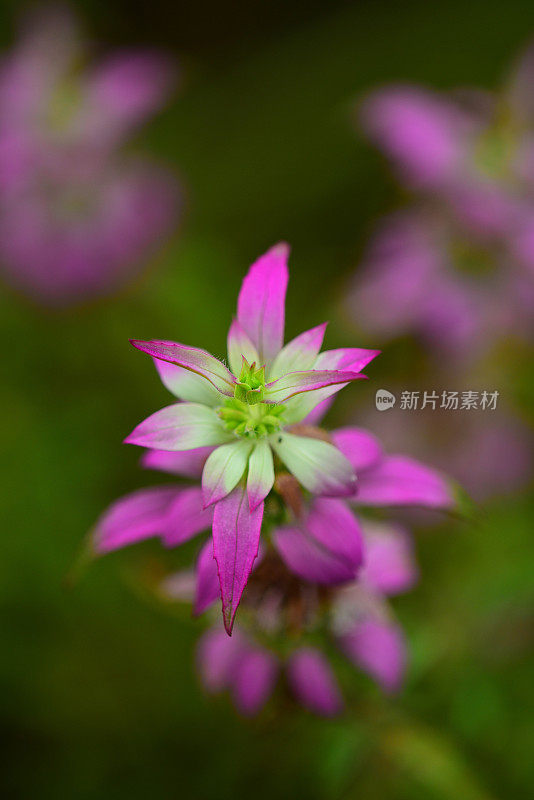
x,y
378,647
186,517
362,449
293,383
261,302
332,523
187,385
182,426
207,589
389,566
317,465
313,682
239,345
137,516
260,473
403,481
193,359
309,559
186,463
236,537
312,406
253,680
300,353
224,469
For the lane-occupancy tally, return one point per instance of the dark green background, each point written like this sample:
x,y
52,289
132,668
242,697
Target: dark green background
x,y
99,697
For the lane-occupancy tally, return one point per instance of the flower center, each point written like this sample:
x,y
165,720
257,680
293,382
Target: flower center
x,y
246,414
254,421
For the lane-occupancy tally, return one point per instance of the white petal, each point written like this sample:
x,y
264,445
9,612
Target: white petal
x,y
224,469
317,465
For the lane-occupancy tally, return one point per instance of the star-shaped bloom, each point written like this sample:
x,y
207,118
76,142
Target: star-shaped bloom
x,y
250,417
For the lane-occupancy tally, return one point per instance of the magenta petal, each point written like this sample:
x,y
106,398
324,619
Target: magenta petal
x,y
389,566
314,683
300,353
123,90
191,358
187,517
332,524
311,561
186,463
137,516
253,680
423,133
217,657
182,426
208,589
236,537
316,414
403,481
308,381
353,359
379,649
261,302
362,449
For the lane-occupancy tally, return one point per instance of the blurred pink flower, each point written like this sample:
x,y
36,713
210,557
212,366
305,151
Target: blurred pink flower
x,y
417,278
456,268
78,216
355,615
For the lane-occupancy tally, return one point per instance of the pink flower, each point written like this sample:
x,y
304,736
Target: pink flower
x,y
77,216
459,269
357,616
244,418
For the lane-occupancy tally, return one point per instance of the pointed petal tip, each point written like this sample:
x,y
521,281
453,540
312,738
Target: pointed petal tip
x,y
282,249
228,620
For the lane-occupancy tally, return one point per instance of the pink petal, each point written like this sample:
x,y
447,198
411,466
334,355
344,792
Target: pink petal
x,y
182,426
379,649
389,566
137,516
360,447
186,517
423,133
192,358
217,656
314,683
186,463
123,91
309,559
403,481
346,358
333,525
312,406
293,383
240,345
300,353
208,589
261,302
253,680
236,537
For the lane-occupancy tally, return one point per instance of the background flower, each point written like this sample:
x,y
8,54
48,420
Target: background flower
x,y
79,216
